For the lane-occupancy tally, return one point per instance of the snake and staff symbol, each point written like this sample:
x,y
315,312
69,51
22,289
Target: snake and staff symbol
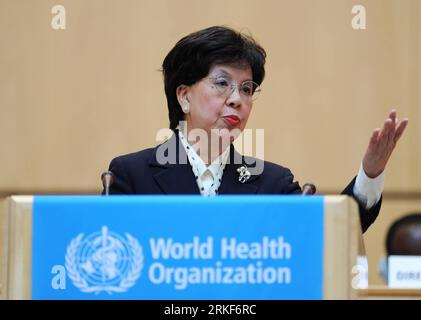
x,y
104,261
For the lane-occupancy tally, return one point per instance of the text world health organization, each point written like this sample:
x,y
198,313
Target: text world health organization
x,y
212,262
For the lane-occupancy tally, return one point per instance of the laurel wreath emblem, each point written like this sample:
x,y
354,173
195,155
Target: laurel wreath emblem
x,y
125,283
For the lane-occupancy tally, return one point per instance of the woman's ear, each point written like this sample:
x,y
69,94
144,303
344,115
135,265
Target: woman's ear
x,y
182,97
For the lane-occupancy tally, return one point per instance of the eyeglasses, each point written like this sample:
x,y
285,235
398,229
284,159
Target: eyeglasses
x,y
249,90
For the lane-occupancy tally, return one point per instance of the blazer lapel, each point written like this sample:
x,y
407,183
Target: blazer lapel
x,y
174,178
177,179
230,183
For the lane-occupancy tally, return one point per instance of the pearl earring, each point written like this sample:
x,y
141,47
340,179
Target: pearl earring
x,y
186,108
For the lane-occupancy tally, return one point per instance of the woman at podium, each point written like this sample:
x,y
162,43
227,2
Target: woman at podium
x,y
211,79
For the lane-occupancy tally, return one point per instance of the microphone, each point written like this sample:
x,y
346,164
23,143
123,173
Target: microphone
x,y
309,189
107,179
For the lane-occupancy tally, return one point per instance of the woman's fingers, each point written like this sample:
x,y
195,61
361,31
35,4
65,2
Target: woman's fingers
x,y
401,128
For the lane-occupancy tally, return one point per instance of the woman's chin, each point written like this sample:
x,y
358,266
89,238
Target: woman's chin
x,y
228,134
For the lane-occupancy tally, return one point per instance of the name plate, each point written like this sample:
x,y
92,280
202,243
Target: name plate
x,y
404,271
177,247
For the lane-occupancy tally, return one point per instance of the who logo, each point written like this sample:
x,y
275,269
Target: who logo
x,y
104,262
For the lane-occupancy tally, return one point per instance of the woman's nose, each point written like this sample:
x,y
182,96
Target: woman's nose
x,y
234,99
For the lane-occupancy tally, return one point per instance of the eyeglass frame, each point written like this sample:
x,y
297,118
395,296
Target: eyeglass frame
x,y
234,85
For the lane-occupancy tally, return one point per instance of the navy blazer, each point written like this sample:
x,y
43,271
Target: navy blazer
x,y
141,173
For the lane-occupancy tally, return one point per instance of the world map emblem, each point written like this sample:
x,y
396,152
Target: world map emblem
x,y
104,261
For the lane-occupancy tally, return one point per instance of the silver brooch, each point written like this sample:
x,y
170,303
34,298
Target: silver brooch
x,y
244,174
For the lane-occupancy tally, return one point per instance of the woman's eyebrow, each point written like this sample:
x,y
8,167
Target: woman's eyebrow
x,y
222,72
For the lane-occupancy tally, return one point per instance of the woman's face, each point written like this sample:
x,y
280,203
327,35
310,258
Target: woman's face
x,y
220,101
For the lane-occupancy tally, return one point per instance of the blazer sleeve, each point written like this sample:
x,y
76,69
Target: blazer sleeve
x,y
121,183
367,216
287,185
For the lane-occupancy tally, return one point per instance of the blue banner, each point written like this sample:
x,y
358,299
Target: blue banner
x,y
177,247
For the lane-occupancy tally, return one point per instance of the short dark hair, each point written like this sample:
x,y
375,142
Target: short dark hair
x,y
407,220
192,57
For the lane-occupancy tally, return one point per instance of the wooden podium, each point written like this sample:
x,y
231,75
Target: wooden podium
x,y
343,248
